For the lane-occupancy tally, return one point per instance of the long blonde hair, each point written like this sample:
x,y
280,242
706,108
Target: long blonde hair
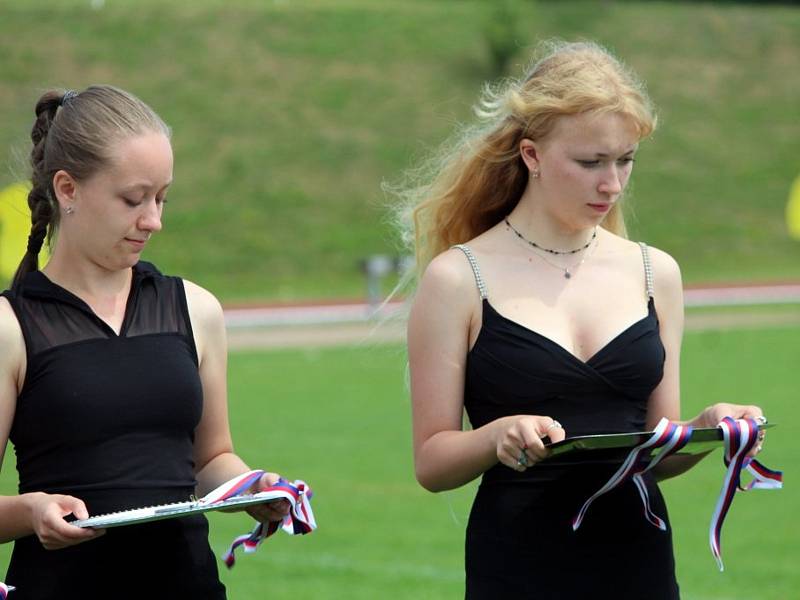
x,y
478,179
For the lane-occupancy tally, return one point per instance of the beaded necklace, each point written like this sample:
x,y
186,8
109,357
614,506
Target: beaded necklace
x,y
538,247
569,269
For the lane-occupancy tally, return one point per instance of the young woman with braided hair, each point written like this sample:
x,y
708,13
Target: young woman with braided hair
x,y
539,317
112,375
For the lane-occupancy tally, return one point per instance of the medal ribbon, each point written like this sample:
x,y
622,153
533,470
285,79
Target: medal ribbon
x,y
667,436
233,487
299,521
739,437
4,589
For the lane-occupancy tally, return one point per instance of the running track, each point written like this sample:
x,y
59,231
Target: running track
x,y
355,312
319,324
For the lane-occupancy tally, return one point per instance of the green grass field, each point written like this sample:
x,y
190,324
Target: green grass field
x,y
287,117
340,418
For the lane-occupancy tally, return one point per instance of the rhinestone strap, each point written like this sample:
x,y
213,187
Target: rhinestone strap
x,y
475,270
648,270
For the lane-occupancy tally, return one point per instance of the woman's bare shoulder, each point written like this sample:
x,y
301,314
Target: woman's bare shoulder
x,y
666,271
11,339
201,300
9,325
665,268
204,310
449,272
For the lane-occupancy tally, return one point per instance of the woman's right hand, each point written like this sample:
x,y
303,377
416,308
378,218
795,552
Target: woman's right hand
x,y
518,439
47,518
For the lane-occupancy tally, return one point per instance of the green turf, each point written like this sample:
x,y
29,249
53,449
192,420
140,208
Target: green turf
x,y
287,116
340,418
760,538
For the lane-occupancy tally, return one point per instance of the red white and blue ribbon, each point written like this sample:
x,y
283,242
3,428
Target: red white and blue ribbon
x,y
299,521
739,437
233,487
4,589
668,437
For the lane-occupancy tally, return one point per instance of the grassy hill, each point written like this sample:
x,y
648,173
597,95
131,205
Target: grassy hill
x,y
287,116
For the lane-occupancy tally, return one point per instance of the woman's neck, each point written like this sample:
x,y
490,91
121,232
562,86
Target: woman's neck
x,y
88,280
545,231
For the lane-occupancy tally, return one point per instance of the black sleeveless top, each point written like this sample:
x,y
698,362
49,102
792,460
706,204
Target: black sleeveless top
x,y
110,419
519,537
98,411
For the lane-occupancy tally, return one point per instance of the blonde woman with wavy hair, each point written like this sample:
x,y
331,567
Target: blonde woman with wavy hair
x,y
536,315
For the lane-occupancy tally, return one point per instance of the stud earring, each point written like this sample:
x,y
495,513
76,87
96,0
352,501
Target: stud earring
x,y
69,210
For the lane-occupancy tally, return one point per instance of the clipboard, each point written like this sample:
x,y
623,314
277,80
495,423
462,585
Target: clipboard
x,y
176,509
703,440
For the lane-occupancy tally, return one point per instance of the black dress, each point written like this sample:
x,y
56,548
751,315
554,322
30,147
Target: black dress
x,y
519,537
110,419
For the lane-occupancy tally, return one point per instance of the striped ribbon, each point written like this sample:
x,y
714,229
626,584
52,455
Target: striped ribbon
x,y
299,521
233,487
667,436
4,589
739,438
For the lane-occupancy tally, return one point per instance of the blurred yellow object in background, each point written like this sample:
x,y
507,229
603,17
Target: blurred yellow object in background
x,y
15,225
793,210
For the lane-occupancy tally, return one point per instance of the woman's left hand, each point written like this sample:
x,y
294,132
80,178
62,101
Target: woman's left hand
x,y
269,511
712,415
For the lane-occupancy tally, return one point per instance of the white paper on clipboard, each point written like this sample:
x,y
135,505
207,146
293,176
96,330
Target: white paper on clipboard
x,y
176,509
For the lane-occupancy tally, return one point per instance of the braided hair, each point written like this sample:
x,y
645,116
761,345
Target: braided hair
x,y
40,197
75,132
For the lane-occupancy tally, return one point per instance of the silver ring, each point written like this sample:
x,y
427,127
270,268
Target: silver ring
x,y
522,461
759,448
554,425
